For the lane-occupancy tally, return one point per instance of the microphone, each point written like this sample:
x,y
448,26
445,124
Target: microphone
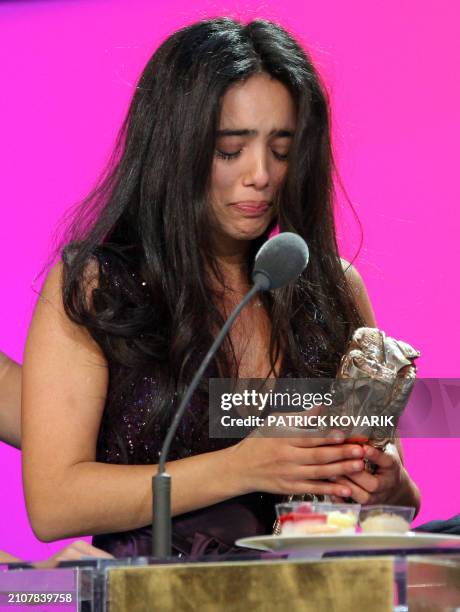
x,y
278,262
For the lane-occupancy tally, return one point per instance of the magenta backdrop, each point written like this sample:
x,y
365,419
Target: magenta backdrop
x,y
68,71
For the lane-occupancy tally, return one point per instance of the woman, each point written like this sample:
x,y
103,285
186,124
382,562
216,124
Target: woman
x,y
10,432
227,135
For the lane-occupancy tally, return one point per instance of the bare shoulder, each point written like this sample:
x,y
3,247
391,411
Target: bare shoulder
x,y
65,378
52,287
50,305
352,275
49,309
59,352
359,292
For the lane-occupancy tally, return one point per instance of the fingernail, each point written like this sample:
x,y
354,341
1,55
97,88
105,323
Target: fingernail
x,y
357,465
345,492
356,452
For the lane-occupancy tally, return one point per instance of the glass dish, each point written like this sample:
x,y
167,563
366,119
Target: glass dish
x,y
386,519
299,519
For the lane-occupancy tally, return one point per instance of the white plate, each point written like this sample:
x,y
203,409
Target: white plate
x,y
356,541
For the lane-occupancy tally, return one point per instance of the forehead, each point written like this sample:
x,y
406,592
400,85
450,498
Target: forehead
x,y
260,102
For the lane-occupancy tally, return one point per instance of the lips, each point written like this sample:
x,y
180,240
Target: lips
x,y
251,208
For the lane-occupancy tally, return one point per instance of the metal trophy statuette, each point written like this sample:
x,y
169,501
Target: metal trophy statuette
x,y
375,377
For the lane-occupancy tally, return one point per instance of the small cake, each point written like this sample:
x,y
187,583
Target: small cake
x,y
385,523
298,524
343,516
308,529
344,521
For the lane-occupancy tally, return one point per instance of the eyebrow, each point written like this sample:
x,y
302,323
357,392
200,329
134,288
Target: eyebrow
x,y
277,133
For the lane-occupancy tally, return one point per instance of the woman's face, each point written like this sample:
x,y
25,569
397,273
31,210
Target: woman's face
x,y
255,131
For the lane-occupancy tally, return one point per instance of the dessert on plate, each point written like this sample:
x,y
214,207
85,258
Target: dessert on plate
x,y
386,519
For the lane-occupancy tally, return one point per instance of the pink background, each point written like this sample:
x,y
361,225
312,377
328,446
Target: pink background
x,y
68,71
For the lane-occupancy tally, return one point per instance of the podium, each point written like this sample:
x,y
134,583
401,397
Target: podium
x,y
370,581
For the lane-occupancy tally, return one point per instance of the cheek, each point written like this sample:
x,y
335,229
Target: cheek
x,y
223,179
279,174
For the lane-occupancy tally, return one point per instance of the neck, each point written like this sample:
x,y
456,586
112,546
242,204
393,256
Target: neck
x,y
230,256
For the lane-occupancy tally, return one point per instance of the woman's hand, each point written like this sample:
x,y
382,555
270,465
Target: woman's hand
x,y
298,464
390,484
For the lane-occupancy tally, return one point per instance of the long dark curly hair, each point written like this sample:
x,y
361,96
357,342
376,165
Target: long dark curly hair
x,y
144,230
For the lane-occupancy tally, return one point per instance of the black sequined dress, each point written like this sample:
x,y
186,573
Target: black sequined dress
x,y
123,439
212,529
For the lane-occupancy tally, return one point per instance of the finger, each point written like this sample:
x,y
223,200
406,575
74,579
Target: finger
x,y
358,494
320,487
331,470
327,454
337,500
380,458
85,549
66,554
46,563
366,481
308,440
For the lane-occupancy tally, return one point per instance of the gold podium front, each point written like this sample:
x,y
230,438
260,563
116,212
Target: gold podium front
x,y
336,585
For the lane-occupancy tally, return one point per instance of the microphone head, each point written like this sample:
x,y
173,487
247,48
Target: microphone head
x,y
280,261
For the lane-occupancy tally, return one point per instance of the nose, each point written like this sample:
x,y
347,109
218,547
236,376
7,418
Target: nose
x,y
257,174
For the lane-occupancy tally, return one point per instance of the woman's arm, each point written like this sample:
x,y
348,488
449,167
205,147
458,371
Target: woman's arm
x,y
10,401
64,389
69,494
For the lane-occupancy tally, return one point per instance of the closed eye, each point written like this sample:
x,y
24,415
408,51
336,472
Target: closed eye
x,y
229,155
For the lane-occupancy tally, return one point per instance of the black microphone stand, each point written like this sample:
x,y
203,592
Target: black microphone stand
x,y
161,482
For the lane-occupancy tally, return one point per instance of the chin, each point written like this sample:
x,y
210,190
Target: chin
x,y
250,231
248,236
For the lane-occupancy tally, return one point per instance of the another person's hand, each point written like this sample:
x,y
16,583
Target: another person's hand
x,y
73,552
